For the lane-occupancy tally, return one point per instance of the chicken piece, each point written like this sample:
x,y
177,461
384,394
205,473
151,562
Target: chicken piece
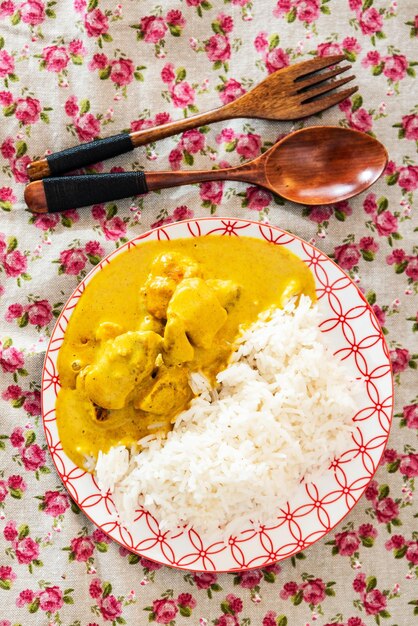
x,y
108,330
149,322
123,363
194,312
170,392
227,292
177,347
167,271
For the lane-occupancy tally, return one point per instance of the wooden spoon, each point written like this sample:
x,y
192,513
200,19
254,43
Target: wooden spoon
x,y
315,165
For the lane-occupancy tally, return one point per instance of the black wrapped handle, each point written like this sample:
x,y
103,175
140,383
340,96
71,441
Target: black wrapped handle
x,y
70,192
87,153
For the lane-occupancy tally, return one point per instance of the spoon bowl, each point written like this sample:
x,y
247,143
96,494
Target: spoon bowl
x,y
323,164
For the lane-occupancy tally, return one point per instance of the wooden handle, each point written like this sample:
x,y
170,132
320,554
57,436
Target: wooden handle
x,y
69,192
94,151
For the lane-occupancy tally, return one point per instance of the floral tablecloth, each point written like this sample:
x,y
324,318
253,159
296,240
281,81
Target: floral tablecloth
x,y
72,71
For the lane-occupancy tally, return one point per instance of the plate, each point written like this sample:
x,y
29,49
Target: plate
x,y
354,334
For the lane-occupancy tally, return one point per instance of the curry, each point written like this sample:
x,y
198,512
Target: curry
x,y
156,313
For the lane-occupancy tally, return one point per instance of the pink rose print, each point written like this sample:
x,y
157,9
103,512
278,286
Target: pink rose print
x,y
26,550
11,360
122,71
16,438
361,120
16,483
410,126
211,193
95,588
55,58
328,49
186,600
204,580
39,313
370,204
55,503
19,169
72,261
386,510
257,199
182,94
10,532
374,602
82,548
412,268
230,91
248,146
51,599
28,110
372,59
218,48
307,10
182,213
412,552
33,457
7,576
25,597
320,213
351,44
250,578
114,229
410,415
7,147
96,23
7,64
193,141
175,21
347,255
110,608
408,178
87,127
347,543
6,8
151,566
32,12
314,591
386,223
395,67
14,263
152,28
399,359
167,73
261,41
409,465
276,59
164,611
3,490
370,21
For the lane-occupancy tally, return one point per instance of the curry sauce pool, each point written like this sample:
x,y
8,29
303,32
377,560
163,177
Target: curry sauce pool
x,y
156,313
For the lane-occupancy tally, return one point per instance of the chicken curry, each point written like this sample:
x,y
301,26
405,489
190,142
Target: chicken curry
x,y
156,313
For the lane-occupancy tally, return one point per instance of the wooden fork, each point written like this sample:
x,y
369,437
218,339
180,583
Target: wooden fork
x,y
290,93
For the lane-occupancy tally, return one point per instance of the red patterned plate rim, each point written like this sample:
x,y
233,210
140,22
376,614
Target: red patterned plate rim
x,y
320,513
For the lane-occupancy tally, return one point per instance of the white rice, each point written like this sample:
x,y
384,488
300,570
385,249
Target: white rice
x,y
282,410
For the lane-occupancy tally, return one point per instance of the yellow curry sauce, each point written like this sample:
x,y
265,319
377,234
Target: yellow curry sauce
x,y
153,315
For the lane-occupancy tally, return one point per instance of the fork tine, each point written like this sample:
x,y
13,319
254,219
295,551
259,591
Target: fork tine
x,y
307,96
314,65
310,108
320,78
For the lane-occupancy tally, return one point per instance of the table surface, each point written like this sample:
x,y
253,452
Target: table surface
x,y
71,72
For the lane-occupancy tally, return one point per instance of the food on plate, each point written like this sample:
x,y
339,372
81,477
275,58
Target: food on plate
x,y
157,315
278,413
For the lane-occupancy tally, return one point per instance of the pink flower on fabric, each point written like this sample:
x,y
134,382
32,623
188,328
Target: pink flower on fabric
x,y
16,438
99,61
371,59
114,228
55,503
307,10
15,263
56,58
412,552
250,578
347,255
410,415
6,8
95,588
359,583
7,64
32,12
412,268
386,223
204,580
231,90
87,127
399,359
218,48
110,608
11,360
83,548
186,599
408,177
33,457
96,23
212,191
182,213
314,591
410,126
276,59
361,120
73,261
25,597
16,482
370,21
165,611
282,7
193,141
51,599
10,532
46,221
351,44
328,49
26,550
40,313
28,110
167,73
153,28
257,198
182,94
175,158
347,543
175,17
122,71
395,67
409,465
386,510
3,490
374,602
320,213
248,146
